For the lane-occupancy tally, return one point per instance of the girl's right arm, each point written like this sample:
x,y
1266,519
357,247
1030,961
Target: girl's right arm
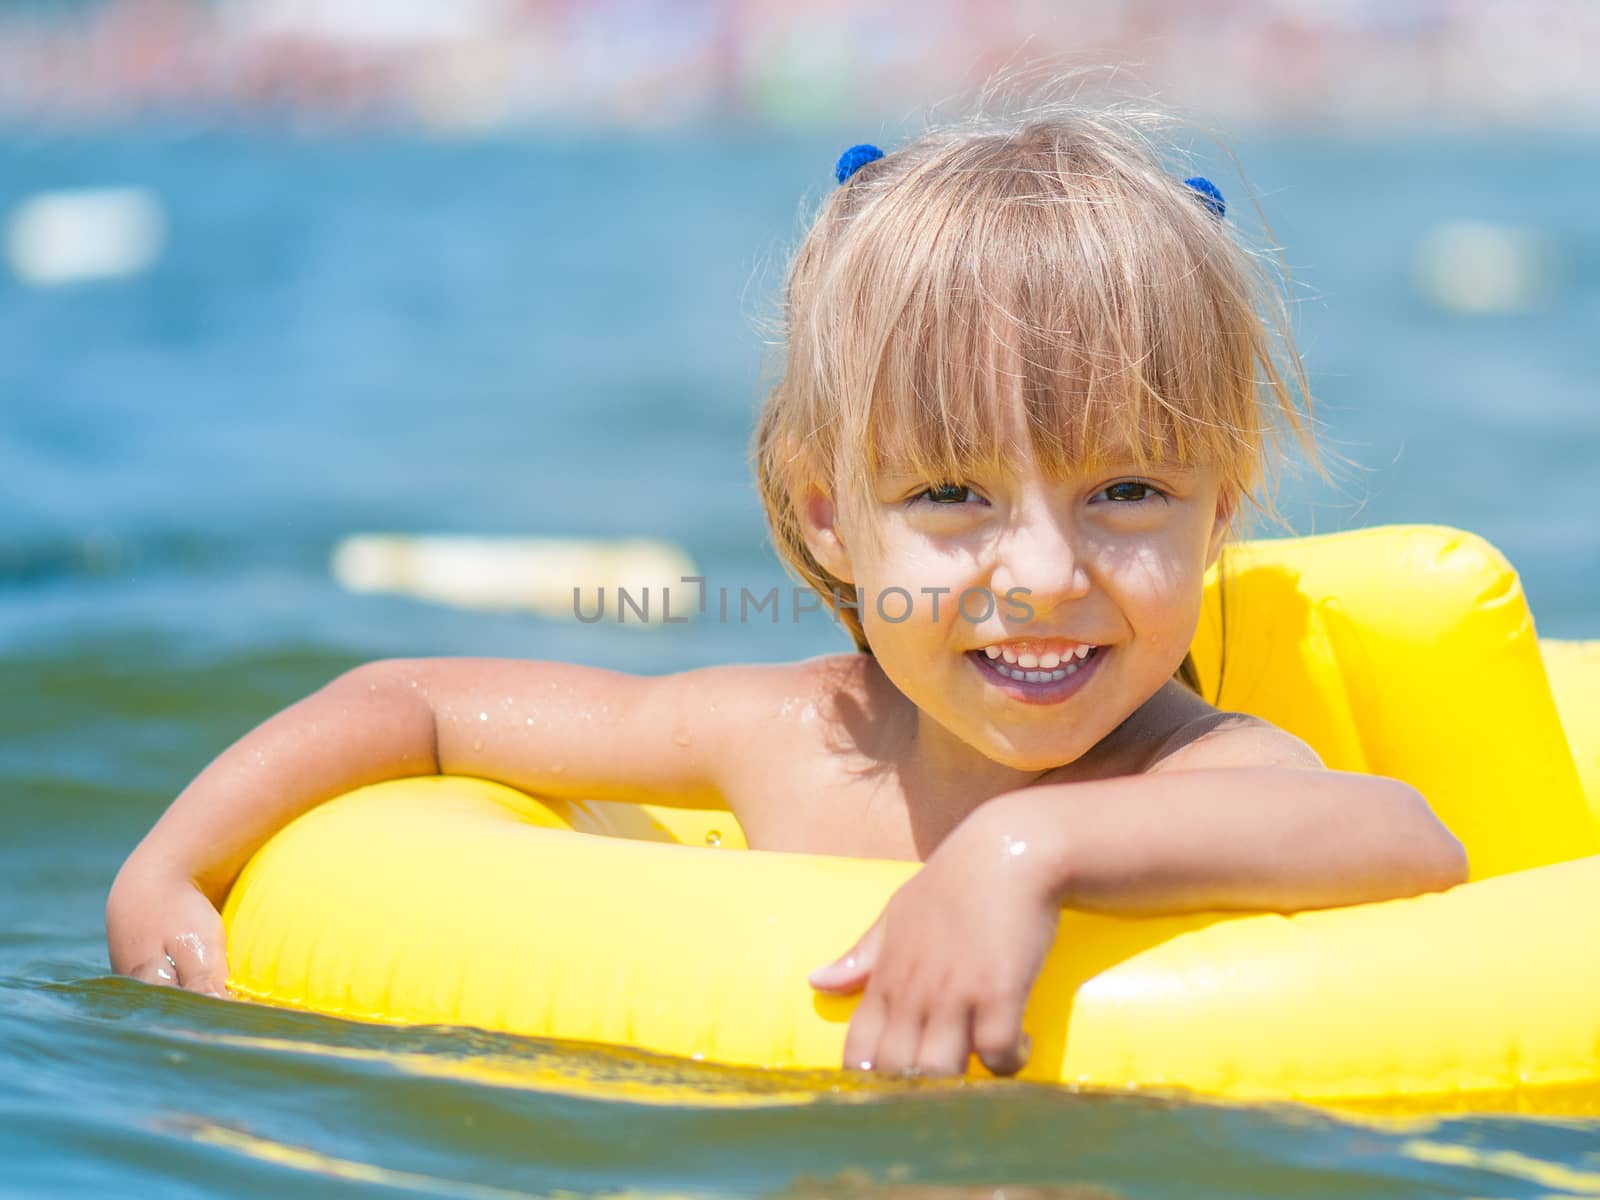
x,y
548,728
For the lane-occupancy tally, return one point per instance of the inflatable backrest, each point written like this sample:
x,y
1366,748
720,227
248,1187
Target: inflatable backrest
x,y
1574,670
1405,651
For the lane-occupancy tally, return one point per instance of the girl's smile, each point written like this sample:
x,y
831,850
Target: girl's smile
x,y
1096,580
1050,681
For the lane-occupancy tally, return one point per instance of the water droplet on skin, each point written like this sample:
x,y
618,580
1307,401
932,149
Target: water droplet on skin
x,y
680,739
193,943
530,720
477,743
483,716
713,837
808,713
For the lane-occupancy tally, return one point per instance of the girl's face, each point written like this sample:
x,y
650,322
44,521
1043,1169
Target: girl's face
x,y
1029,618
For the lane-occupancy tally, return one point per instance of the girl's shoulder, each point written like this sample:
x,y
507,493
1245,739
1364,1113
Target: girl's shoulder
x,y
839,707
1208,737
822,690
787,734
1176,730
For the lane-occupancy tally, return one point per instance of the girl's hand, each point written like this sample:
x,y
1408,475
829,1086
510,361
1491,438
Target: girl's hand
x,y
950,963
164,930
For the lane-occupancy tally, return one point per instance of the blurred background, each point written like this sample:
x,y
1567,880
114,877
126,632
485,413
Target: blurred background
x,y
279,272
279,277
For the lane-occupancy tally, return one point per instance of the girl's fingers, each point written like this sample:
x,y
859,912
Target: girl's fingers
x,y
847,974
998,1038
201,964
898,1041
159,970
861,1041
946,1042
164,931
851,971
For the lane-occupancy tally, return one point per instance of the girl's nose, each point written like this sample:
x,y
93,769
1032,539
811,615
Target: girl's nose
x,y
1042,555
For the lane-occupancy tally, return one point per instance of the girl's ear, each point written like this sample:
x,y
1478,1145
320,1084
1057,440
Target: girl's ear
x,y
819,525
1226,503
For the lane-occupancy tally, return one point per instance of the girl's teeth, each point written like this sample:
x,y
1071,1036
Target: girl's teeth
x,y
1024,676
1036,668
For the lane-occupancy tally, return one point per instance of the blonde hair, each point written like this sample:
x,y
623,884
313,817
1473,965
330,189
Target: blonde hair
x,y
1057,244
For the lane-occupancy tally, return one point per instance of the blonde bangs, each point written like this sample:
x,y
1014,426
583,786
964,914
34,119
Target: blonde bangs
x,y
1054,281
1094,306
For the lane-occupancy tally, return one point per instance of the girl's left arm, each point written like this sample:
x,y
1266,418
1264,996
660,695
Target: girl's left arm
x,y
1243,816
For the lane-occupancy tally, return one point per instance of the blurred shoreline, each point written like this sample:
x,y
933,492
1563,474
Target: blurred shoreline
x,y
470,67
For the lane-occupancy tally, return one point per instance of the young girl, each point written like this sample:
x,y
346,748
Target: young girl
x,y
1028,387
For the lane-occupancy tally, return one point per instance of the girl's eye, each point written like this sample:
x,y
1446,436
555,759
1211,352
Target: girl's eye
x,y
948,494
1129,491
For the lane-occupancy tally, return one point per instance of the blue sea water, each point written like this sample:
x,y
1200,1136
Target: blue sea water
x,y
555,335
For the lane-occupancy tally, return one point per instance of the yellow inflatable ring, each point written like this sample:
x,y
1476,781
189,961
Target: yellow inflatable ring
x,y
460,901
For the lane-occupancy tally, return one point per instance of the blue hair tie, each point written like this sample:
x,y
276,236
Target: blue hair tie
x,y
853,159
1209,195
